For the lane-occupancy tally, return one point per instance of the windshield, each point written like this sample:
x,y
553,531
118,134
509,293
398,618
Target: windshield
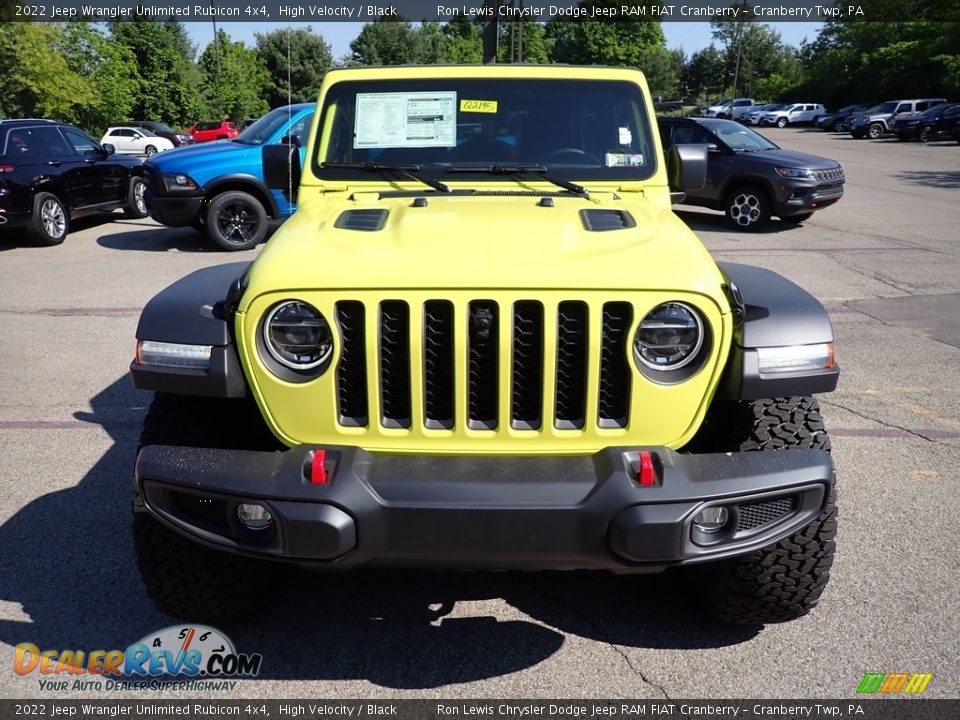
x,y
163,127
146,132
587,129
741,138
260,131
884,108
778,106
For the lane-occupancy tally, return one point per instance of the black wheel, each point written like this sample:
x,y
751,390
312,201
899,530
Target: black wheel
x,y
49,222
183,578
796,219
926,133
837,126
785,580
236,220
150,150
136,206
875,131
748,207
782,122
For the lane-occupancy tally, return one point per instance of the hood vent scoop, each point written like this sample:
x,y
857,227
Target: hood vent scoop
x,y
603,220
365,220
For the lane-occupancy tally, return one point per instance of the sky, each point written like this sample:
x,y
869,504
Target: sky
x,y
689,36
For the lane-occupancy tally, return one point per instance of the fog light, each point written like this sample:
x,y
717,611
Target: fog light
x,y
254,516
711,520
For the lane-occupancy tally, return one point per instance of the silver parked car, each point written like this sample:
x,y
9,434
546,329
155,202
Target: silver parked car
x,y
880,119
793,114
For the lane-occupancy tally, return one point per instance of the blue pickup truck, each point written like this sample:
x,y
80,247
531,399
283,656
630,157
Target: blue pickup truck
x,y
218,187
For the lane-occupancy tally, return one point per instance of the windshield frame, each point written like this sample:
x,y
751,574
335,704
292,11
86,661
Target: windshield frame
x,y
348,88
265,127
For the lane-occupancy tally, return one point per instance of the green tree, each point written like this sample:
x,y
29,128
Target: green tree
x,y
463,40
523,42
36,80
298,54
234,83
621,43
385,42
168,88
704,75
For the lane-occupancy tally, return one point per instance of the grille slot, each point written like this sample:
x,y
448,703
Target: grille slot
x,y
527,366
483,346
394,364
571,397
754,515
438,362
614,396
352,369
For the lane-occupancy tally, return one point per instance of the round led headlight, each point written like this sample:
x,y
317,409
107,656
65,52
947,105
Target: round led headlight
x,y
669,337
297,335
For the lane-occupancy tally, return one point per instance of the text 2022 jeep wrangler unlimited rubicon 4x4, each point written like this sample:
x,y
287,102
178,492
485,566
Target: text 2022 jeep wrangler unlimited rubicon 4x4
x,y
484,341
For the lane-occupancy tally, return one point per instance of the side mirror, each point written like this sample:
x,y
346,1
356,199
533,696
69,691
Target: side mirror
x,y
108,149
712,148
281,168
687,167
291,140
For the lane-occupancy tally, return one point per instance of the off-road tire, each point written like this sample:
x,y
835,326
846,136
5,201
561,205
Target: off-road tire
x,y
747,207
136,207
875,131
236,220
49,221
783,581
183,578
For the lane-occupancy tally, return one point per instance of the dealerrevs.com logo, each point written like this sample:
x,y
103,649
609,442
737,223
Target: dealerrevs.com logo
x,y
180,656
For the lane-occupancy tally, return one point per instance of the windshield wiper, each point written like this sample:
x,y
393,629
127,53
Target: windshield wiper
x,y
408,170
521,170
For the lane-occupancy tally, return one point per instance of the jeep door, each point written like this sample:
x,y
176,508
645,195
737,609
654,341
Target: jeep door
x,y
719,161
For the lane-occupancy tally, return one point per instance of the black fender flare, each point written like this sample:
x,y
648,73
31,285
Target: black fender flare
x,y
195,310
244,183
742,179
771,311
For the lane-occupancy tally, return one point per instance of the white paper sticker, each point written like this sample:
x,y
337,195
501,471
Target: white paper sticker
x,y
626,137
623,159
399,120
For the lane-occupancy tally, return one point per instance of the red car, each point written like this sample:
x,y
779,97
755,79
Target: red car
x,y
204,131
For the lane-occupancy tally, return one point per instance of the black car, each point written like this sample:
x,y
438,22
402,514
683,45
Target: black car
x,y
929,125
836,121
52,172
750,178
161,129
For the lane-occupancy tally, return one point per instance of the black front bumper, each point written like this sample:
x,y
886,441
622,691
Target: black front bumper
x,y
542,512
175,210
797,196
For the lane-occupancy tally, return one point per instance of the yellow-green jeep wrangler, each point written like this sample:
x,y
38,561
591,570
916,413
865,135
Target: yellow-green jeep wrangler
x,y
485,341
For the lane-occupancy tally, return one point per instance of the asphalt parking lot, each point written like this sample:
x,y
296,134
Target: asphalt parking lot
x,y
886,263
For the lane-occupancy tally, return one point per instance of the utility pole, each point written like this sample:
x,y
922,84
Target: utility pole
x,y
490,33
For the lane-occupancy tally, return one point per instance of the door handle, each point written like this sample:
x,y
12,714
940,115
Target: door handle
x,y
55,163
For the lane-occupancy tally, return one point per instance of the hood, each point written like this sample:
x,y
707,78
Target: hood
x,y
792,158
485,242
187,156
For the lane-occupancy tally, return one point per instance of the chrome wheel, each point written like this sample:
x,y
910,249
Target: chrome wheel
x,y
53,218
138,197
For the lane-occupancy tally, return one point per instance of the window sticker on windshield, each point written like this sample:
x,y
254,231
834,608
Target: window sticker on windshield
x,y
624,159
626,137
398,120
482,106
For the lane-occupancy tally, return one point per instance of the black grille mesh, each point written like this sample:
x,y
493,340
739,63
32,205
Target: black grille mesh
x,y
758,514
572,336
352,369
395,363
527,367
438,397
614,400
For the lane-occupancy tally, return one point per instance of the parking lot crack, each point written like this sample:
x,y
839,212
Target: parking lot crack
x,y
864,272
884,423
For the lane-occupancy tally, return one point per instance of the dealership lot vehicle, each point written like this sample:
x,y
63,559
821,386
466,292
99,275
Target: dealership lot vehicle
x,y
929,125
640,375
793,115
836,121
163,130
135,141
219,188
750,178
884,262
753,117
51,173
207,131
877,121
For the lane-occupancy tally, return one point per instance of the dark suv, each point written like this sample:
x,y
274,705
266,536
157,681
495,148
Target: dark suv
x,y
929,125
51,172
750,178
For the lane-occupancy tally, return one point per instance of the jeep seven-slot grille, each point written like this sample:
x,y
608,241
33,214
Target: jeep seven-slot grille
x,y
440,325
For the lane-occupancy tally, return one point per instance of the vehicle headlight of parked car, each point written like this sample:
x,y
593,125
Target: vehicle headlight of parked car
x,y
793,172
179,182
